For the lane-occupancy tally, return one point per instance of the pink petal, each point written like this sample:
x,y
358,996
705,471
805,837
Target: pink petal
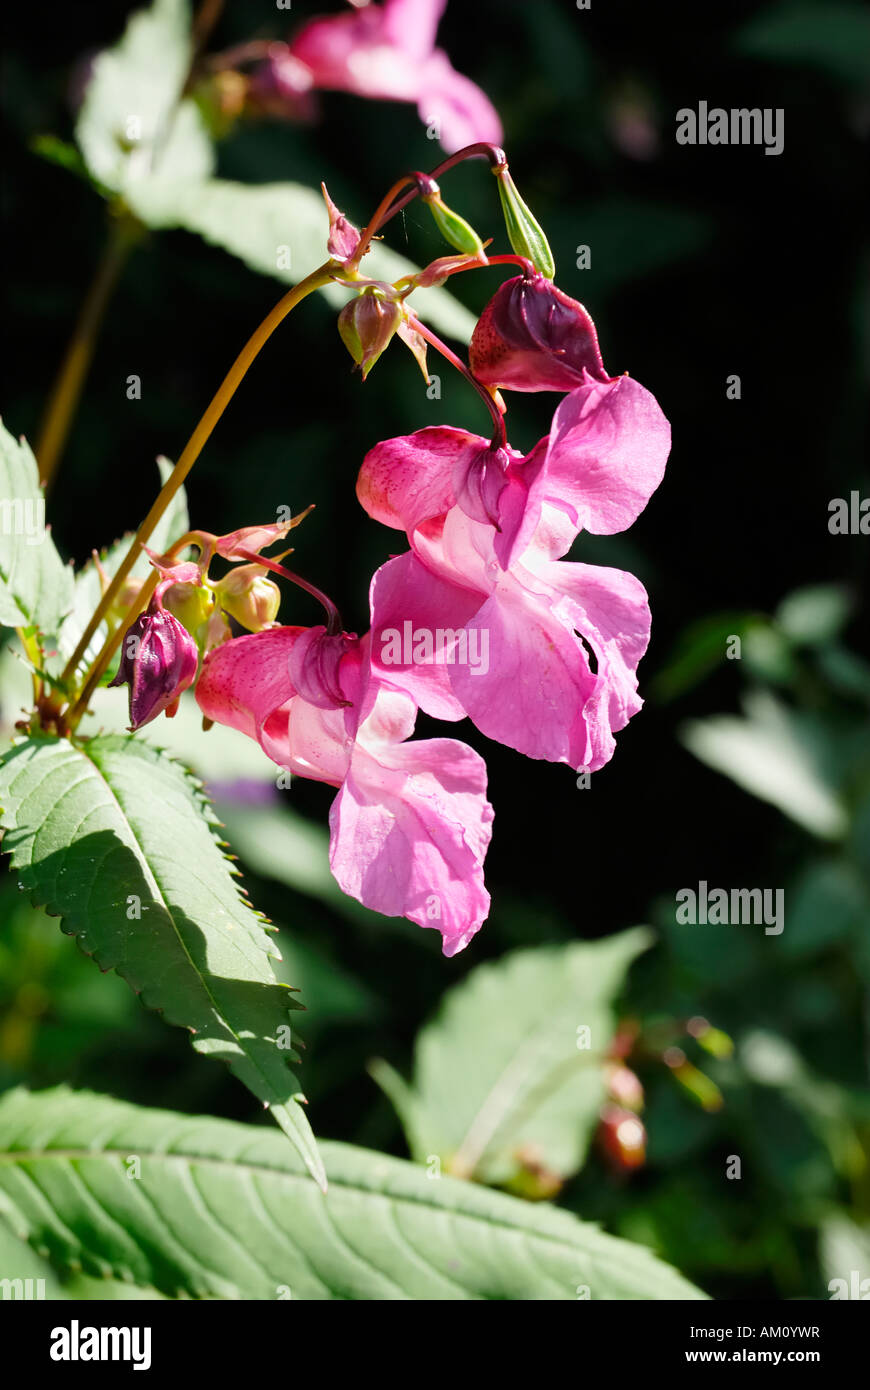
x,y
408,599
410,828
245,680
537,678
408,480
460,111
353,53
609,608
412,24
608,447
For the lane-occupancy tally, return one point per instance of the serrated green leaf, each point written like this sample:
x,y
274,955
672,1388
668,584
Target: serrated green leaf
x,y
99,830
280,229
20,1262
133,128
222,1210
35,585
833,38
533,1092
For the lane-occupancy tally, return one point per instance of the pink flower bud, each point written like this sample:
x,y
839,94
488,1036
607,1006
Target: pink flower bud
x,y
158,660
622,1138
343,235
532,337
367,325
624,1086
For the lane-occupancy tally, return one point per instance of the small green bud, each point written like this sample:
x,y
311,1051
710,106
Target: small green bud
x,y
524,233
249,597
455,230
191,604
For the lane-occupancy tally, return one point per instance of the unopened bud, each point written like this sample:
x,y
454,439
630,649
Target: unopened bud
x,y
455,230
524,232
343,235
367,325
622,1138
249,597
191,604
159,659
533,337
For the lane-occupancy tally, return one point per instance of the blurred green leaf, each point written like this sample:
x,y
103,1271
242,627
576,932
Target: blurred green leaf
x,y
259,1229
700,649
834,37
828,903
280,229
844,1246
501,1076
814,615
771,753
133,128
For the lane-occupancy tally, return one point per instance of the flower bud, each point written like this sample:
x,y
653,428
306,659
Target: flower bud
x,y
524,233
532,337
191,604
367,325
622,1138
249,597
158,660
455,230
343,235
624,1086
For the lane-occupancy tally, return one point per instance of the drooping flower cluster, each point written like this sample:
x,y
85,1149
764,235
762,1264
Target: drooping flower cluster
x,y
481,617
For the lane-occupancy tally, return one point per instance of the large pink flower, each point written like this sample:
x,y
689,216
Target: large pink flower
x,y
411,824
388,52
482,617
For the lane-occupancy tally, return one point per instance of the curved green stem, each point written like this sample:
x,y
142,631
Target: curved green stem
x,y
190,454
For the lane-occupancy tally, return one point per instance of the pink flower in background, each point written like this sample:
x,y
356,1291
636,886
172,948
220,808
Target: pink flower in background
x,y
410,826
388,52
519,623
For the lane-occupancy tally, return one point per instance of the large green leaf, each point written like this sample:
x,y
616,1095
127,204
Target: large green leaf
x,y
223,1210
99,831
280,229
502,1076
133,128
35,585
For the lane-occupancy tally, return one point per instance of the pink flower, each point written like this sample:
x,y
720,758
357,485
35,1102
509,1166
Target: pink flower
x,y
410,826
388,52
510,626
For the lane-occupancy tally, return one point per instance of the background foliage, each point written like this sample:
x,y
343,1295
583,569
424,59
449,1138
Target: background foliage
x,y
705,262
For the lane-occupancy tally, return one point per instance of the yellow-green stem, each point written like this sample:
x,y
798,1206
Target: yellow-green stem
x,y
70,379
188,458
